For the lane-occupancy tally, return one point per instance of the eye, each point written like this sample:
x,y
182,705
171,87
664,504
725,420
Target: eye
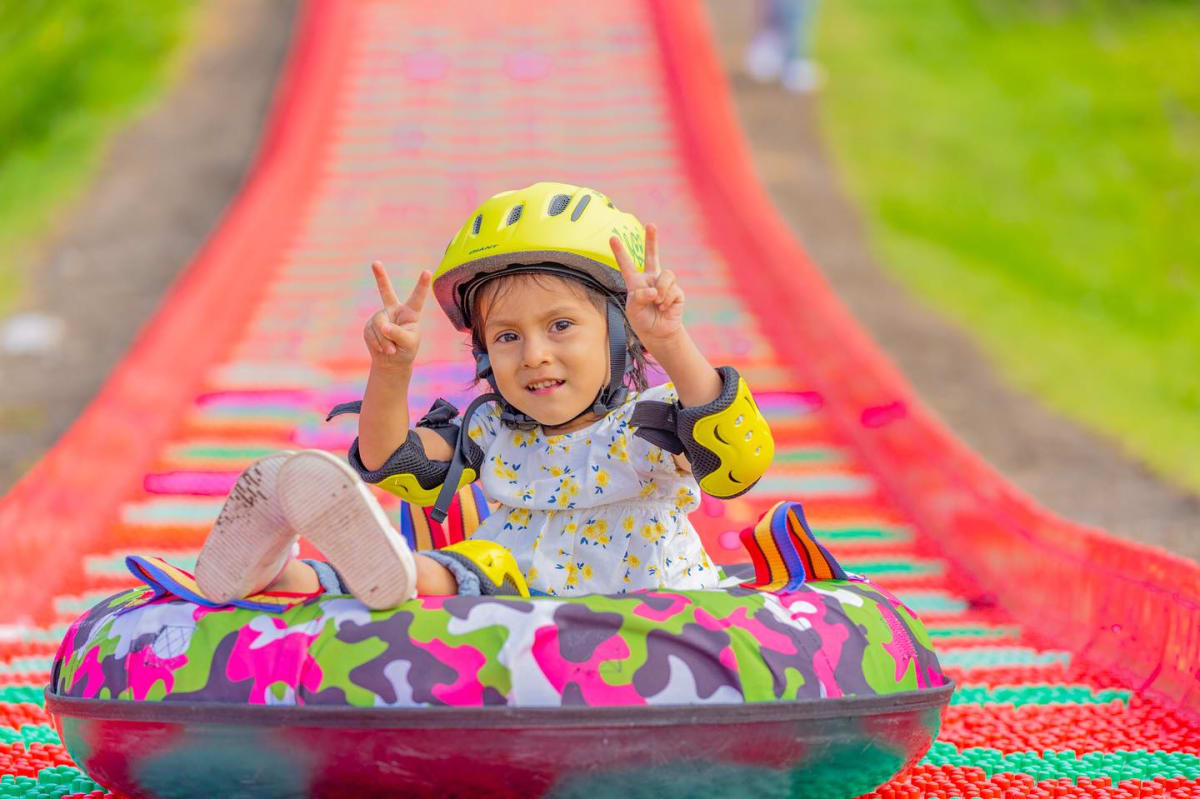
x,y
506,338
561,325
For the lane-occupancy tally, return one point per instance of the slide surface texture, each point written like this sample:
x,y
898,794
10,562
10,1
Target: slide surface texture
x,y
1075,653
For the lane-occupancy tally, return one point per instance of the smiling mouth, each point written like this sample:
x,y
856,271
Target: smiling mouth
x,y
543,386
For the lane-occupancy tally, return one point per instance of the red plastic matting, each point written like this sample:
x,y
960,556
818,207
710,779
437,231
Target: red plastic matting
x,y
1076,653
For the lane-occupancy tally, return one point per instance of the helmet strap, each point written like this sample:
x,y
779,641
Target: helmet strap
x,y
607,398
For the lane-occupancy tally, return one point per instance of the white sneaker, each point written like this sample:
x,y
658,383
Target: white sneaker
x,y
764,56
801,76
251,541
325,501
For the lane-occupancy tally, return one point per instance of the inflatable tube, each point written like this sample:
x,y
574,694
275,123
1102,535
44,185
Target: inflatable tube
x,y
827,690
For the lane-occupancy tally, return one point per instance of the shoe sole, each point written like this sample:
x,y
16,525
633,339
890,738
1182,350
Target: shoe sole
x,y
249,538
325,501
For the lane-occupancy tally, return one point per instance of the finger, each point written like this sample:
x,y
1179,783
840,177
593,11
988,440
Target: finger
x,y
664,282
672,297
420,291
392,332
643,296
376,343
386,293
383,325
653,267
629,271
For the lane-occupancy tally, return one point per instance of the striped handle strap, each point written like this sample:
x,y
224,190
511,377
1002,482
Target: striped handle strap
x,y
466,511
785,553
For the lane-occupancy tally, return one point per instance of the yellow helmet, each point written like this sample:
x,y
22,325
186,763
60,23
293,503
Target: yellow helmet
x,y
543,223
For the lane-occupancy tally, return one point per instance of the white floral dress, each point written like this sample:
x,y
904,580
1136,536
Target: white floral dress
x,y
598,510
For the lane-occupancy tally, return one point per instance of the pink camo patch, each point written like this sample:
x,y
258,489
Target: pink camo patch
x,y
146,668
596,691
286,660
90,673
901,648
466,661
833,638
678,603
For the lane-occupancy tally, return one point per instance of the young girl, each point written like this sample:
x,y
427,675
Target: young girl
x,y
562,295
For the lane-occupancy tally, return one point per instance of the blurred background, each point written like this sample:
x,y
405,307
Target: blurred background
x,y
1005,192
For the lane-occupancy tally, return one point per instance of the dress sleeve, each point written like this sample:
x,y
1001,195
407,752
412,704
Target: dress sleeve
x,y
645,458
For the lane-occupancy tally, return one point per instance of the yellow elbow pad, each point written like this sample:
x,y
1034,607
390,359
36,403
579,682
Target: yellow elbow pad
x,y
411,475
737,442
727,441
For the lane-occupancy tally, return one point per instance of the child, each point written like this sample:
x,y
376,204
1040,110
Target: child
x,y
594,483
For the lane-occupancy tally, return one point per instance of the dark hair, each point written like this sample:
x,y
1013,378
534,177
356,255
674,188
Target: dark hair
x,y
638,358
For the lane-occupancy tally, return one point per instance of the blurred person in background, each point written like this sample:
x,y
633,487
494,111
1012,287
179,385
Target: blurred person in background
x,y
780,48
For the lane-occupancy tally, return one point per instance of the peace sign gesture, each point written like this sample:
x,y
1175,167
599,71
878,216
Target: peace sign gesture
x,y
392,333
654,305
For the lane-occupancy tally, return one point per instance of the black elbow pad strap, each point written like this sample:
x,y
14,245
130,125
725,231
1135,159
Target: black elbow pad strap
x,y
727,441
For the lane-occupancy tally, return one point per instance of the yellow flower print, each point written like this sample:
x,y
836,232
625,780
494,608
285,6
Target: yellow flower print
x,y
586,571
653,529
570,485
634,561
476,432
598,530
601,479
531,575
572,575
627,524
617,449
556,470
527,494
648,489
570,527
517,517
683,497
503,470
523,438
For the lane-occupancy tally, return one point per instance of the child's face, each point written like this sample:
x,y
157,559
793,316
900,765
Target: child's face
x,y
548,345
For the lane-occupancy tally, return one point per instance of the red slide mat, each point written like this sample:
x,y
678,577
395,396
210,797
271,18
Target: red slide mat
x,y
1075,653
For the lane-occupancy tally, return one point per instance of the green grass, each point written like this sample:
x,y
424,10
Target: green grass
x,y
72,71
1032,169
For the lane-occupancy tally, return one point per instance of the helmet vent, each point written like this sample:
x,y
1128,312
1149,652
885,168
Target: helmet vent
x,y
559,203
478,224
514,215
587,198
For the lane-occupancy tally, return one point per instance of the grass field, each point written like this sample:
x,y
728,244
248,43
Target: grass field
x,y
72,71
1032,169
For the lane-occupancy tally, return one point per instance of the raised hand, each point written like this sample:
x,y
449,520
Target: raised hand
x,y
654,305
392,333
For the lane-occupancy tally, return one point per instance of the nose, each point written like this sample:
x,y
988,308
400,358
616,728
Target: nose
x,y
535,351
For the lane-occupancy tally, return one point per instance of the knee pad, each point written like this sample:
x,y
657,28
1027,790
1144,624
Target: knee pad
x,y
492,563
727,441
